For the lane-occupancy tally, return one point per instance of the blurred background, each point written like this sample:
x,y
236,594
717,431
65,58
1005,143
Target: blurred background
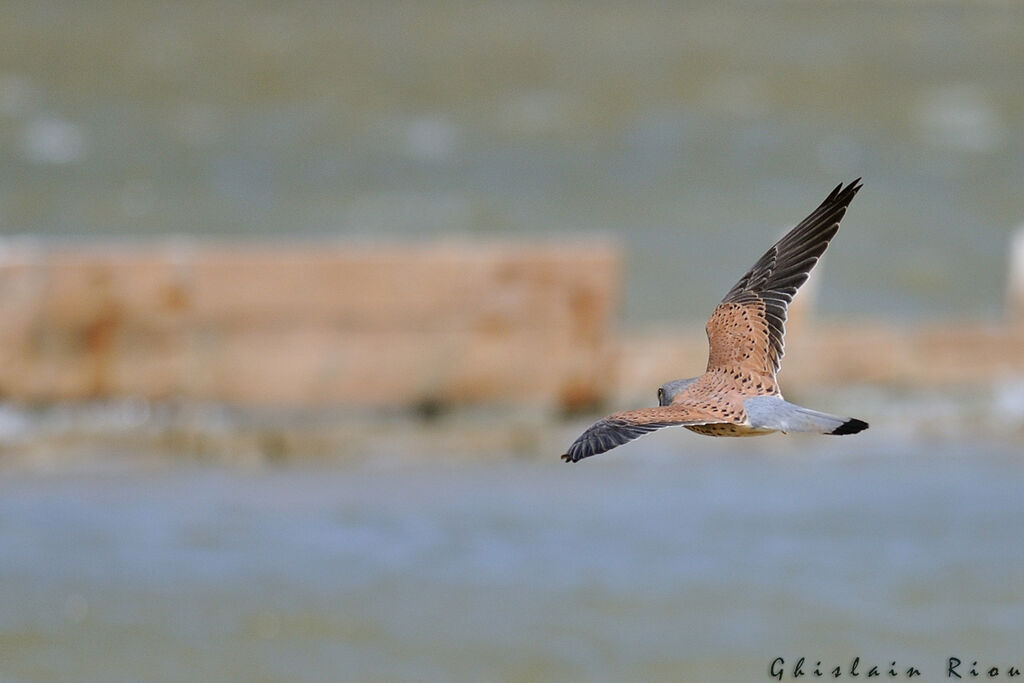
x,y
301,303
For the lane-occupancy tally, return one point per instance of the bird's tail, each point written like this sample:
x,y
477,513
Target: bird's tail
x,y
772,412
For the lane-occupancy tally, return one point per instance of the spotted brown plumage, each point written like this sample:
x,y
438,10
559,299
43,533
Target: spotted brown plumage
x,y
756,306
746,344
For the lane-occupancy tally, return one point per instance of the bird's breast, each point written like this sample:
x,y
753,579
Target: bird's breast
x,y
728,429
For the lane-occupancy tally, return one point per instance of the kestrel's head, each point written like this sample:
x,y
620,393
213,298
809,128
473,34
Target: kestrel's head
x,y
668,390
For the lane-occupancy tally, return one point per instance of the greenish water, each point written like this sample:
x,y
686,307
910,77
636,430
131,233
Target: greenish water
x,y
693,132
681,559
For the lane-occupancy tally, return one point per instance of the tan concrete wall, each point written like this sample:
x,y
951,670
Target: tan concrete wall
x,y
367,326
400,327
930,356
941,354
1015,280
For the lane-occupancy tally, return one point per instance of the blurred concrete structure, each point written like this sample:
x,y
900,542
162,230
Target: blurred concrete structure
x,y
1015,281
410,327
323,324
947,353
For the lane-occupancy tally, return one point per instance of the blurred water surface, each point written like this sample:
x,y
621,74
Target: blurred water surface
x,y
683,560
683,129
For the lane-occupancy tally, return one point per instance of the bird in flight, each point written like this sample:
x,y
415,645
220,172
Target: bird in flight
x,y
738,394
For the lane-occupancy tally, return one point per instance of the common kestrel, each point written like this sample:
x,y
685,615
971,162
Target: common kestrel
x,y
738,394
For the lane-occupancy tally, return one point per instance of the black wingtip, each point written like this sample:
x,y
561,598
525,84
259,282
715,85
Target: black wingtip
x,y
844,194
851,426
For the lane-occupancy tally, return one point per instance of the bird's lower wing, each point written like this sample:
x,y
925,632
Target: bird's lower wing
x,y
620,428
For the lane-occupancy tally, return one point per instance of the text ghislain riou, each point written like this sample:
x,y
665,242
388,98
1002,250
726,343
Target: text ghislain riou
x,y
955,669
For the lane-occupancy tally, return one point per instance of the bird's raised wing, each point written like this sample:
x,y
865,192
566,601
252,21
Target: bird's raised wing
x,y
619,428
745,331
